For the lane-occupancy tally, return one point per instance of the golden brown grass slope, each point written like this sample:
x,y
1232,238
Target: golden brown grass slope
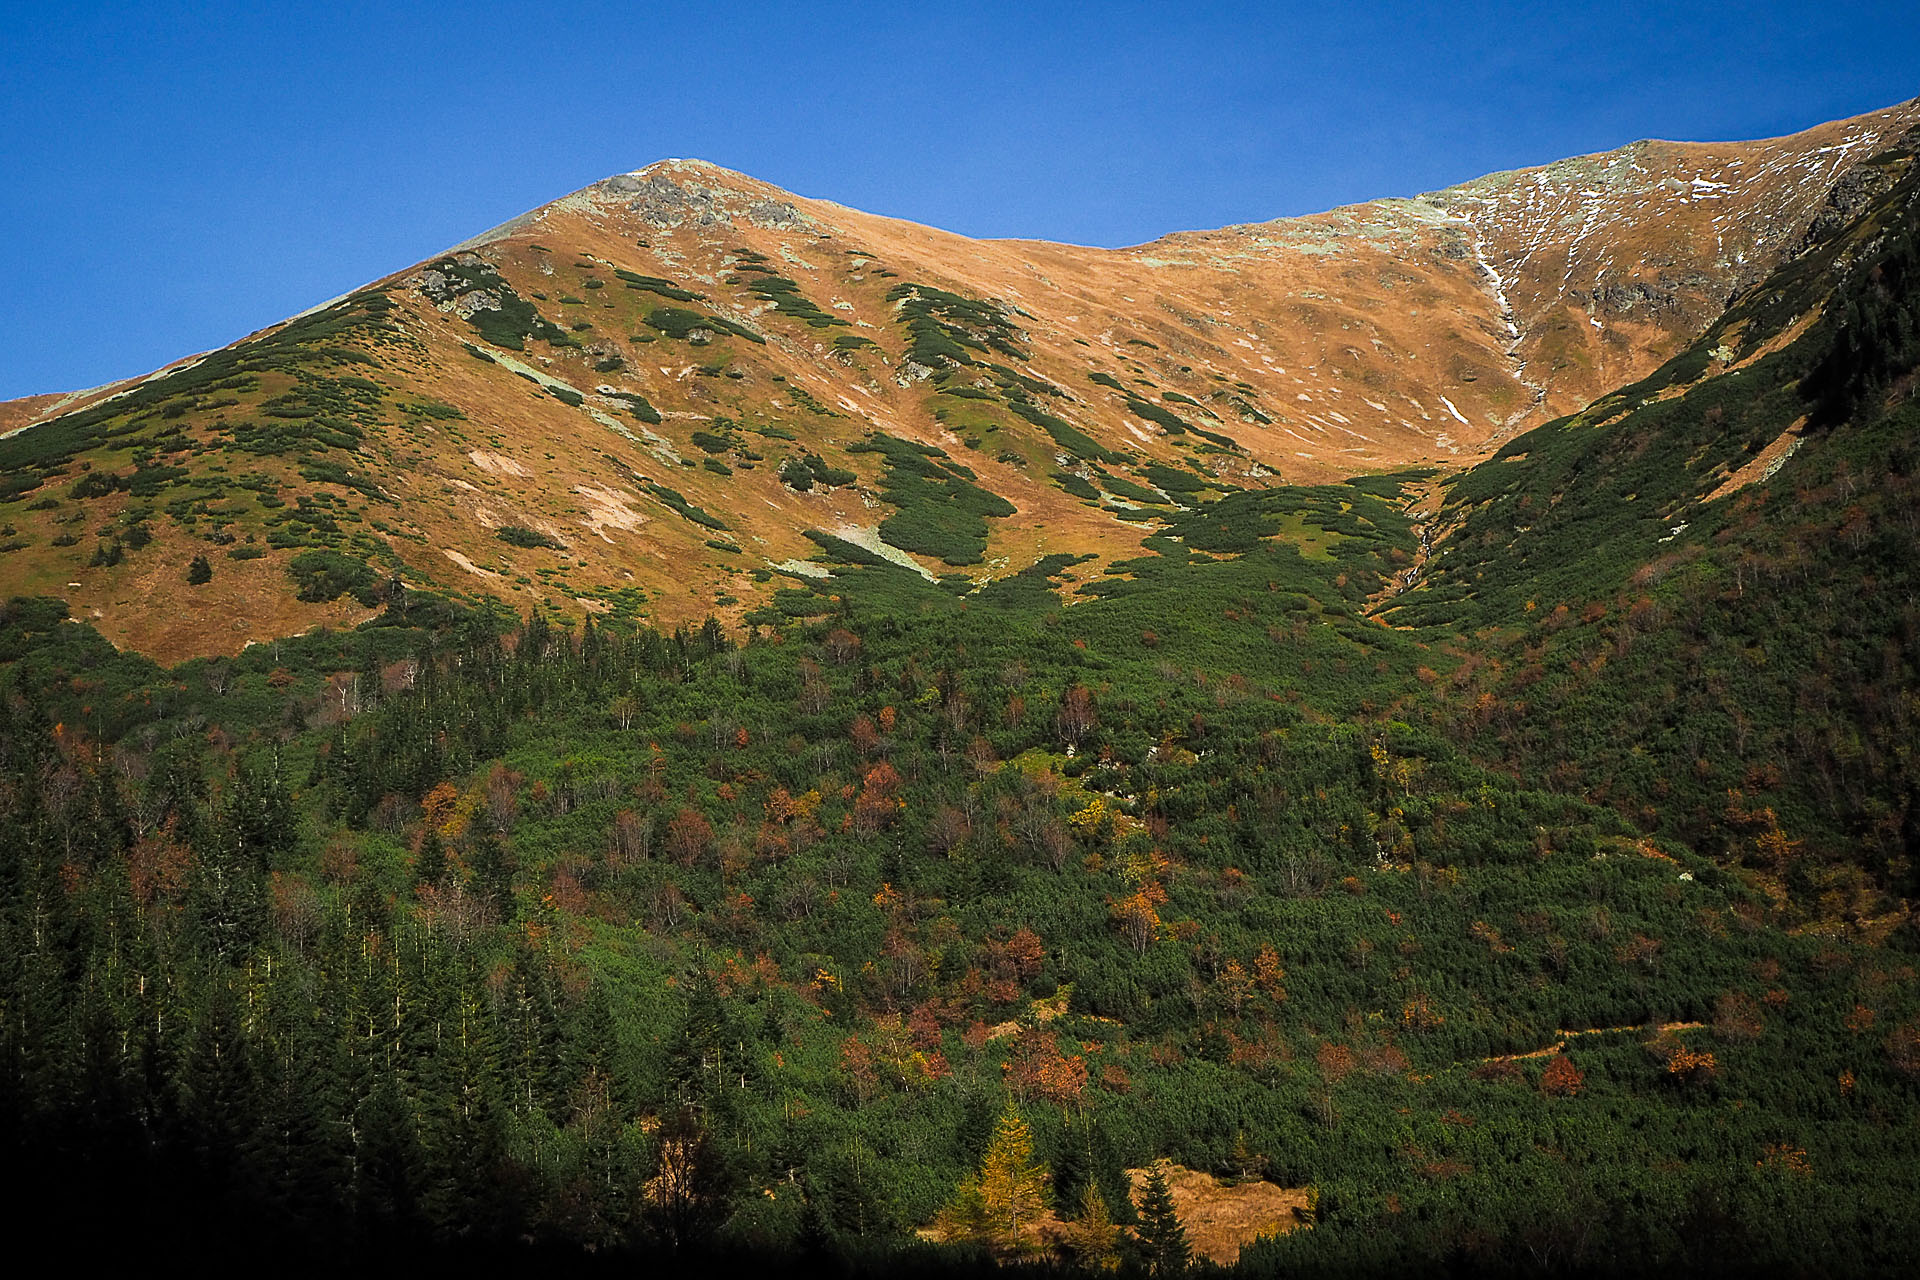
x,y
1381,336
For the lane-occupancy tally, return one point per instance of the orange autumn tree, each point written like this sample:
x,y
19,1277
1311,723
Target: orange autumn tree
x,y
879,801
1561,1079
1235,987
157,866
1040,1070
1138,915
1687,1066
438,806
689,835
1268,974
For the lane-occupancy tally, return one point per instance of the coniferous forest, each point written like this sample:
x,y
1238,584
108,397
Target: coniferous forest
x,y
1553,915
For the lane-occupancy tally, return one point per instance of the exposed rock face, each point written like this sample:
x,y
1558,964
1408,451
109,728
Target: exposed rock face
x,y
1664,295
774,215
446,293
1849,197
654,197
661,202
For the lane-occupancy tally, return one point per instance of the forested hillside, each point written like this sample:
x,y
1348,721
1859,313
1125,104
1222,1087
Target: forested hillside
x,y
1712,575
1551,914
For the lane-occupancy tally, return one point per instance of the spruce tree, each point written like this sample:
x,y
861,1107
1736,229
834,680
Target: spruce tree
x,y
696,1054
1163,1240
493,866
430,864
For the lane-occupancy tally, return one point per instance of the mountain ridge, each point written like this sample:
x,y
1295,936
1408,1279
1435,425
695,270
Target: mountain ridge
x,y
758,339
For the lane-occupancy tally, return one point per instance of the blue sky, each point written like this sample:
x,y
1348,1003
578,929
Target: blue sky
x,y
173,177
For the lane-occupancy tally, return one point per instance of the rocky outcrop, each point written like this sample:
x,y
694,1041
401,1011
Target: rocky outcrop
x,y
661,202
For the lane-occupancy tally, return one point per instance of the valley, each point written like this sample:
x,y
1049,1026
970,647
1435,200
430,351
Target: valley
x,y
704,728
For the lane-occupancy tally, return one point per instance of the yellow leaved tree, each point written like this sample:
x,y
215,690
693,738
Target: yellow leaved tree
x,y
1009,1194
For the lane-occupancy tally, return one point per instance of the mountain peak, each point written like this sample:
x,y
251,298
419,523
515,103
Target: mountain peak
x,y
658,389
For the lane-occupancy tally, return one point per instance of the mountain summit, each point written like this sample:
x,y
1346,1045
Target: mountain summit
x,y
664,394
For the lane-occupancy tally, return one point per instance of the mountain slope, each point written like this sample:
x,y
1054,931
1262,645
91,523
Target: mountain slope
x,y
642,398
1695,597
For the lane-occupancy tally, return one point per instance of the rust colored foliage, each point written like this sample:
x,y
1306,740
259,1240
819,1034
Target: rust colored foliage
x,y
1903,1048
879,802
1138,915
1021,957
1688,1066
1639,950
340,862
1269,976
157,867
1420,1014
1499,1071
1040,1070
842,646
438,805
689,835
629,841
924,1024
296,908
1077,716
568,894
865,738
1336,1062
1561,1079
503,787
1787,1159
1236,988
856,1063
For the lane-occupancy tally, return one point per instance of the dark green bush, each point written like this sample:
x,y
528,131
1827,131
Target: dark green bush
x,y
678,322
640,406
515,535
655,285
322,576
1076,486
